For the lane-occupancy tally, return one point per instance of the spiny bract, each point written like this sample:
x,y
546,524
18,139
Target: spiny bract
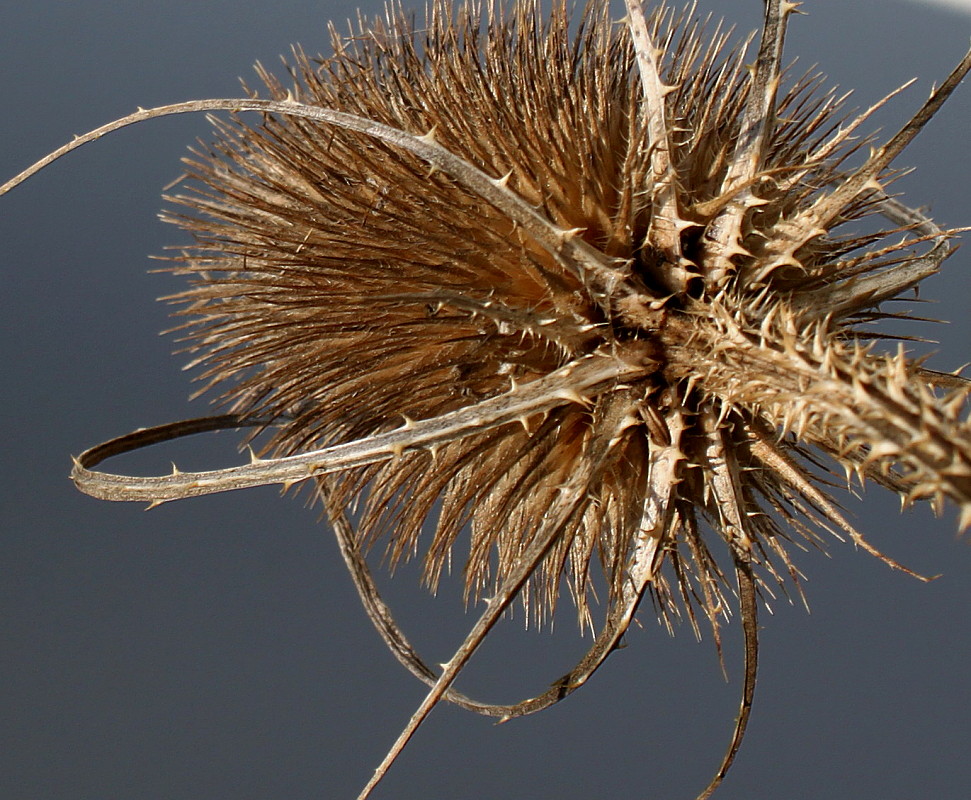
x,y
551,293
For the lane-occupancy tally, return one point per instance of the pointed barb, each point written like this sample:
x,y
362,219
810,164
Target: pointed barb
x,y
429,137
408,423
964,521
568,235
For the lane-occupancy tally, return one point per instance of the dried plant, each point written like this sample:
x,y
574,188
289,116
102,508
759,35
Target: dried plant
x,y
579,301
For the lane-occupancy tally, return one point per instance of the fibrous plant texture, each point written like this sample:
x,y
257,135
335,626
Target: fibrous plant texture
x,y
585,307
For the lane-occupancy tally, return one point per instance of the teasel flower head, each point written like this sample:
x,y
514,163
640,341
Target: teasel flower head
x,y
568,302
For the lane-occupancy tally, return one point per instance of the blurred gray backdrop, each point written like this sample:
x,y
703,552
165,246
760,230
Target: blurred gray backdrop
x,y
215,648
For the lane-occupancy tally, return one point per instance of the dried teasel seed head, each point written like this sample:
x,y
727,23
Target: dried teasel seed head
x,y
571,302
663,206
639,197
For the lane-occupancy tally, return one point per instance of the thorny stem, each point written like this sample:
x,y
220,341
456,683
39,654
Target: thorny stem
x,y
748,611
645,562
727,487
563,386
770,455
841,299
569,499
828,207
577,257
667,222
493,612
817,388
723,235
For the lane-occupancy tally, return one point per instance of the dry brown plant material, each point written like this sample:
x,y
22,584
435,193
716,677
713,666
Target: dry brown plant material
x,y
575,303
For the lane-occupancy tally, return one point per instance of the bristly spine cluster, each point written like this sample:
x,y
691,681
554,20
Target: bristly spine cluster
x,y
567,299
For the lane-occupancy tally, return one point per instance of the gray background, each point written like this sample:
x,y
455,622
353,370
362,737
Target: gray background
x,y
215,648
